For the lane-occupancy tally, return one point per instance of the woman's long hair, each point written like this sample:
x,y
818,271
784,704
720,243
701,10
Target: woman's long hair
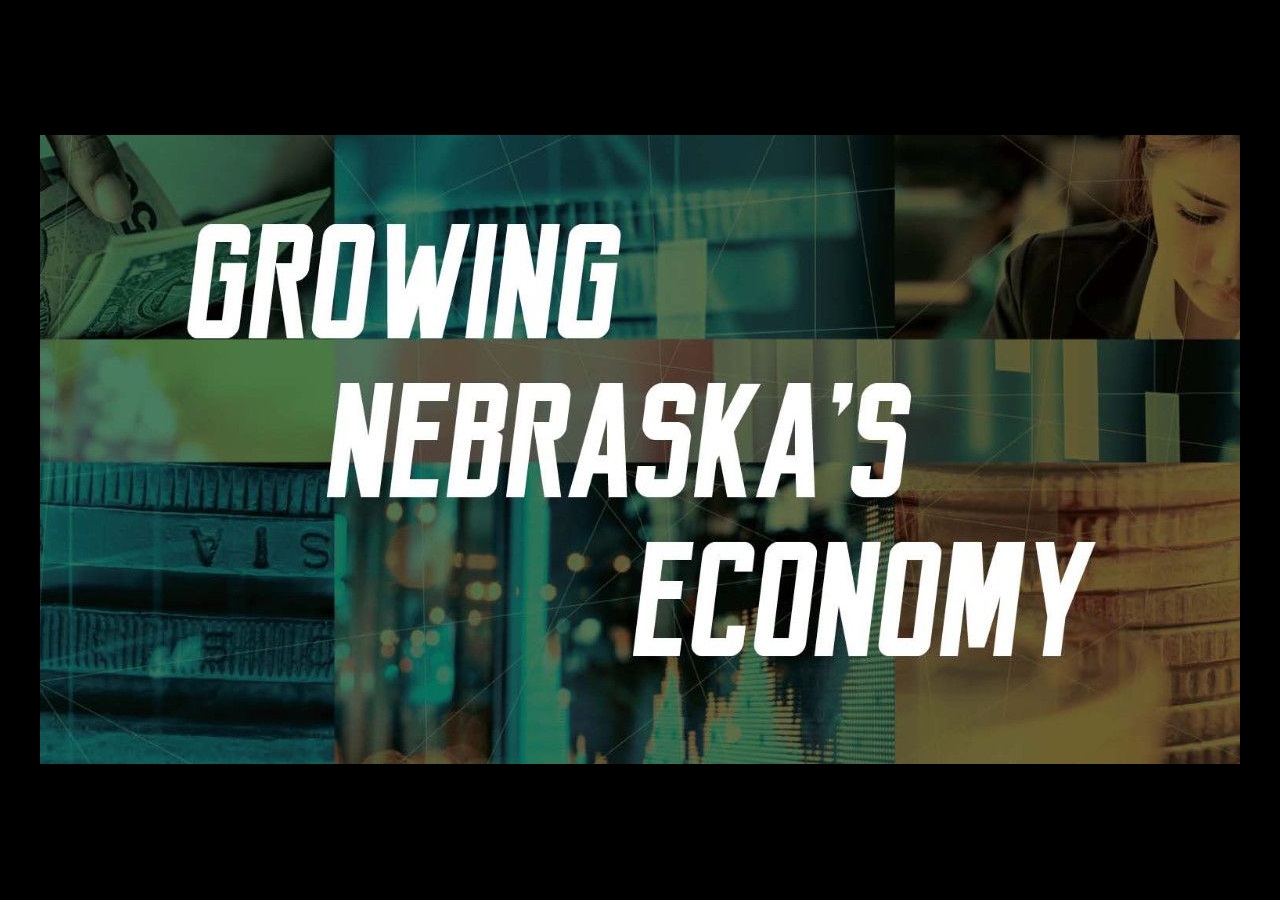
x,y
1138,149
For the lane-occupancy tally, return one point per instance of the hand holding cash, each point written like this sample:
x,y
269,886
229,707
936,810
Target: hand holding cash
x,y
94,171
115,259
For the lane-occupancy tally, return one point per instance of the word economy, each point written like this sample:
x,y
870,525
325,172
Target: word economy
x,y
975,599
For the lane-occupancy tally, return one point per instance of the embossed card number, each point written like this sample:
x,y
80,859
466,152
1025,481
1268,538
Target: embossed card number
x,y
179,646
117,538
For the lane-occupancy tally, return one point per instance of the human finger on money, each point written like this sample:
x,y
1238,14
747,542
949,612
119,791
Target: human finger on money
x,y
94,171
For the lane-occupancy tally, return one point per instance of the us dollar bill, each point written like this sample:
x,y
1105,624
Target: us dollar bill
x,y
112,281
70,235
142,282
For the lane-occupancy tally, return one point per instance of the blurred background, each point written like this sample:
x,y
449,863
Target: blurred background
x,y
722,235
962,202
1048,400
186,401
501,630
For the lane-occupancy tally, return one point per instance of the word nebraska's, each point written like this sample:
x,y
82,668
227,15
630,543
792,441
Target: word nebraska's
x,y
974,599
422,292
541,420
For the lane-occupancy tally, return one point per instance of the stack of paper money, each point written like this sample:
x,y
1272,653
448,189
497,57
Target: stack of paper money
x,y
187,594
1164,574
103,280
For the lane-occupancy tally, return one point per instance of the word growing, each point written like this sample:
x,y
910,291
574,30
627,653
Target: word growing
x,y
422,293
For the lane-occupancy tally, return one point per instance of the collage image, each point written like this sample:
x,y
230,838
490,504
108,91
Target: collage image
x,y
1063,310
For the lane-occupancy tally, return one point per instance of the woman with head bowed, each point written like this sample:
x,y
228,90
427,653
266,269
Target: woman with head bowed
x,y
1169,268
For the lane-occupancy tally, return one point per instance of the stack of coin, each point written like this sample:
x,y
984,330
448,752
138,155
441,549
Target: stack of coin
x,y
190,595
1164,572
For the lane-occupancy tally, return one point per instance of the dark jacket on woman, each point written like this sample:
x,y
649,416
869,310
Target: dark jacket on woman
x,y
1082,282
